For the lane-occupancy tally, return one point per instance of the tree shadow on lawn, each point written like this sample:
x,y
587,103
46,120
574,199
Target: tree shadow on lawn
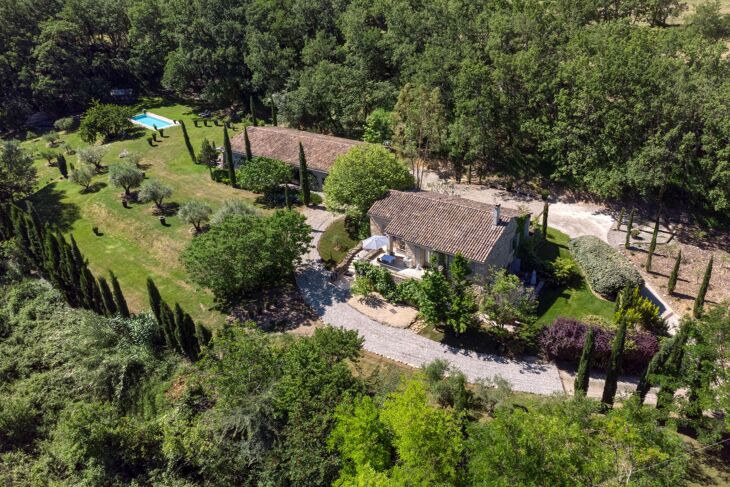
x,y
51,209
93,188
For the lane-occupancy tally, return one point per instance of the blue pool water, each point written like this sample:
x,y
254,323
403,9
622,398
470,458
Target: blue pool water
x,y
149,121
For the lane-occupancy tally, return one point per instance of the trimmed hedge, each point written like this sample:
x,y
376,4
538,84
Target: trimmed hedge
x,y
606,270
563,341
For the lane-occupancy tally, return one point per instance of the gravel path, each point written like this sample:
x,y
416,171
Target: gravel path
x,y
330,302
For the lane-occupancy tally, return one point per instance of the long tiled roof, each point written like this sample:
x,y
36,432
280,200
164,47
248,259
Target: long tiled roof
x,y
283,144
444,223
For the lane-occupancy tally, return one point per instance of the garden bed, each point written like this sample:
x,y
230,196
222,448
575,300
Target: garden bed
x,y
335,243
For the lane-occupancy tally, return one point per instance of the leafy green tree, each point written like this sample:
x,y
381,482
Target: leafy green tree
x,y
208,155
378,127
649,376
125,175
83,175
155,191
244,253
92,156
17,174
699,305
420,126
436,296
48,155
264,175
583,376
104,120
363,175
304,176
505,300
231,208
195,213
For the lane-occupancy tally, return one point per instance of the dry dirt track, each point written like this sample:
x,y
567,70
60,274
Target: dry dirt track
x,y
330,302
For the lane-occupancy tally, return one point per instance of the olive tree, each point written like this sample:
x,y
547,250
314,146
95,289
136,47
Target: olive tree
x,y
125,175
196,213
82,175
91,155
155,191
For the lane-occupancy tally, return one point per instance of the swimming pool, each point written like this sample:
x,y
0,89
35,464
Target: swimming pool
x,y
150,121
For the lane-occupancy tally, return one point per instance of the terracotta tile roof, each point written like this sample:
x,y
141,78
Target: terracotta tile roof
x,y
283,144
444,223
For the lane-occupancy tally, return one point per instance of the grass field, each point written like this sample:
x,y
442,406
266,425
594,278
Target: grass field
x,y
576,301
133,243
335,243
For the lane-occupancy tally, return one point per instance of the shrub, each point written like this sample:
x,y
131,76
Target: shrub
x,y
357,226
563,340
105,120
230,208
155,191
377,278
91,155
126,176
506,301
82,175
66,124
195,213
263,175
563,270
606,270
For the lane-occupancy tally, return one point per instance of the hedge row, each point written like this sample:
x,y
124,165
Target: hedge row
x,y
606,270
563,341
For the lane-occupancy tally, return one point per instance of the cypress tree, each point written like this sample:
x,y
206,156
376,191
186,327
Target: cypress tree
x,y
652,245
675,273
304,176
672,366
191,151
35,235
6,222
20,230
582,377
620,218
52,264
614,365
107,298
273,112
119,301
700,299
252,108
167,324
190,345
229,157
247,144
545,220
629,227
62,166
655,366
155,300
179,329
203,335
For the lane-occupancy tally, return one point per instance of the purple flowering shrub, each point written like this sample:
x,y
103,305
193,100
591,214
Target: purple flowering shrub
x,y
563,341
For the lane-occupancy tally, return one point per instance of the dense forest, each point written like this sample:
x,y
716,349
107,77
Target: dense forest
x,y
619,98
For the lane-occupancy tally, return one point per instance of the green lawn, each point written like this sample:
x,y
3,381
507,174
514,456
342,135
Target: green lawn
x,y
335,243
133,242
576,301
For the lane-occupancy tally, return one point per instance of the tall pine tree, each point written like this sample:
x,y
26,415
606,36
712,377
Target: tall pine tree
x,y
229,158
252,109
189,146
545,210
304,176
582,377
700,299
247,144
629,227
119,301
672,283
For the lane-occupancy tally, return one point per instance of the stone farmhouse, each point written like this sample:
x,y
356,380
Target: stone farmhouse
x,y
425,225
283,144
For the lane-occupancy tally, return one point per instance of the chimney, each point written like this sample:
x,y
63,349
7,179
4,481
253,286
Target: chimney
x,y
497,209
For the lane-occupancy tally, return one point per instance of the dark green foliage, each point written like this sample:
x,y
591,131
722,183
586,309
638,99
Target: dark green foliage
x,y
107,298
304,176
672,283
208,155
614,365
62,166
656,365
582,377
629,227
545,210
652,245
228,159
670,370
17,174
247,145
189,146
620,219
203,336
252,110
699,305
104,120
119,301
273,113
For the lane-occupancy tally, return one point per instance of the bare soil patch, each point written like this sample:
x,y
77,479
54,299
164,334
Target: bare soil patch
x,y
376,308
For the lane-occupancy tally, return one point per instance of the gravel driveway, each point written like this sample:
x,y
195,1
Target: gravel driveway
x,y
330,302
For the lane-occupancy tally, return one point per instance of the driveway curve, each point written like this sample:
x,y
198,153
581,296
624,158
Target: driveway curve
x,y
330,303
